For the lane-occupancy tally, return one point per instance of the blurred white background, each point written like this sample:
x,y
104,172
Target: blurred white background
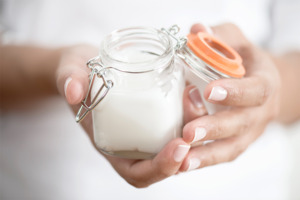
x,y
45,155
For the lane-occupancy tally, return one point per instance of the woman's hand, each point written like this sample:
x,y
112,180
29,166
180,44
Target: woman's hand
x,y
72,82
254,99
254,102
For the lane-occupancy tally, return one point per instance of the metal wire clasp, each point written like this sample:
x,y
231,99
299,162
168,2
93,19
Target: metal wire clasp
x,y
97,69
172,32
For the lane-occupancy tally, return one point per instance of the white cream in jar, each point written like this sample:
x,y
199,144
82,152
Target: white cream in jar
x,y
143,110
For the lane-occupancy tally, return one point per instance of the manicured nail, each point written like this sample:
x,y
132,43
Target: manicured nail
x,y
200,133
195,97
218,94
180,152
66,85
194,163
207,142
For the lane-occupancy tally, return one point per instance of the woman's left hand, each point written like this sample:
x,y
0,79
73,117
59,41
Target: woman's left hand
x,y
254,100
73,81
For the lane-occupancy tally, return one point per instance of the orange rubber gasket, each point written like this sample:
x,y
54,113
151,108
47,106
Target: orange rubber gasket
x,y
210,50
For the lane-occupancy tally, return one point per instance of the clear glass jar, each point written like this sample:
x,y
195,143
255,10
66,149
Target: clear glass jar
x,y
142,109
138,78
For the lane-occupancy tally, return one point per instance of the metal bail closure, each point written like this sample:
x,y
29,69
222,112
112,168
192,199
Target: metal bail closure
x,y
97,69
172,31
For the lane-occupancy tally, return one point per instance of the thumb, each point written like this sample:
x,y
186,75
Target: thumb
x,y
142,173
76,86
72,73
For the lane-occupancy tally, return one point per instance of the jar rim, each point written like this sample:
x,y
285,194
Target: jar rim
x,y
145,65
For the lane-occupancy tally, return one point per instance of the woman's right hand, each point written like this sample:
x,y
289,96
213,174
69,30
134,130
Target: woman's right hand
x,y
254,102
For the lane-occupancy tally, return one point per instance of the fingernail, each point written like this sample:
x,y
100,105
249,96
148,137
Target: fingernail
x,y
194,163
207,142
218,94
195,97
180,152
66,85
200,133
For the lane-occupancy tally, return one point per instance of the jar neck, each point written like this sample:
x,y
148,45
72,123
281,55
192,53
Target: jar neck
x,y
137,50
138,59
199,67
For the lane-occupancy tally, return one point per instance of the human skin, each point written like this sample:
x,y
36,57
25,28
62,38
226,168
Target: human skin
x,y
254,101
268,91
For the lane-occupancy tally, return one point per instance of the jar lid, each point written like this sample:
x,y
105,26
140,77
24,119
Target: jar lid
x,y
216,54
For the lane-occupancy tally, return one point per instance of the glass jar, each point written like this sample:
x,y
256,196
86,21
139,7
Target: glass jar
x,y
140,87
138,78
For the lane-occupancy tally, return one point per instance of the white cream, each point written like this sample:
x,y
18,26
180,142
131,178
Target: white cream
x,y
143,119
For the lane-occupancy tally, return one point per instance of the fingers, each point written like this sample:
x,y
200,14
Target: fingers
x,y
216,152
255,88
192,104
143,173
72,74
218,126
233,130
249,91
76,86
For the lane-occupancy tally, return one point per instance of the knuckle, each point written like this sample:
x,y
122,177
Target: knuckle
x,y
236,94
213,159
165,172
244,124
217,129
263,95
213,126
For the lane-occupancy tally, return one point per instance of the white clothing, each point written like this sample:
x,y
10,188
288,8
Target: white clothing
x,y
46,155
